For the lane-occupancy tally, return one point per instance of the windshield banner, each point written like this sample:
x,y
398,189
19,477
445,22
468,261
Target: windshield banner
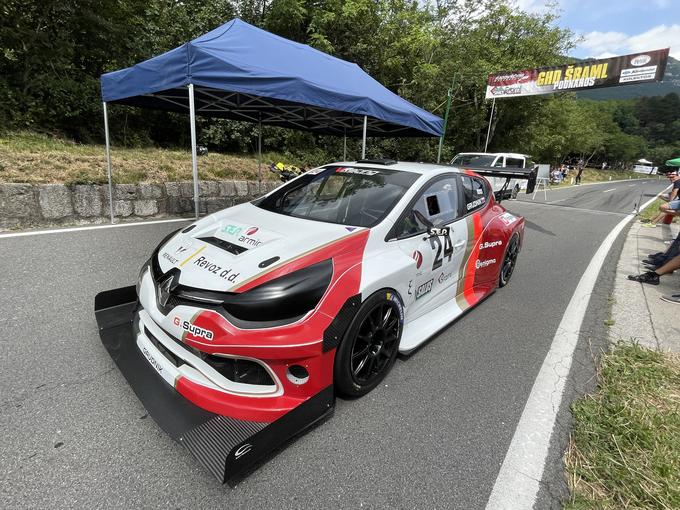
x,y
587,75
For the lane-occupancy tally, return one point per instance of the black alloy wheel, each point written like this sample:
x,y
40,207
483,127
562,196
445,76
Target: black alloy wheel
x,y
510,261
370,346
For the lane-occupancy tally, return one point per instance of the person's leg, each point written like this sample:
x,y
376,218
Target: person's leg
x,y
669,266
652,277
655,219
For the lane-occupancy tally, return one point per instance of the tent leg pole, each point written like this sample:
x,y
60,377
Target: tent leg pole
x,y
344,147
192,115
108,159
259,156
363,147
488,132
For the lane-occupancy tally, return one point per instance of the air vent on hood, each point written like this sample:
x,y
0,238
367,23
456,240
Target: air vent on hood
x,y
232,248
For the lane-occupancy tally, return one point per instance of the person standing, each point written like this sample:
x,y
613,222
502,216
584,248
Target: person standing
x,y
578,176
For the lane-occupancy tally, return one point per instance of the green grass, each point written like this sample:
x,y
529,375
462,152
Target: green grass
x,y
625,442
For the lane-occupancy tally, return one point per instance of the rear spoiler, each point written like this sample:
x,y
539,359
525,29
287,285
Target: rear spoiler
x,y
507,172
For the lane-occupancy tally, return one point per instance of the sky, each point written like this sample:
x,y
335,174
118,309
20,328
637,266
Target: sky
x,y
617,27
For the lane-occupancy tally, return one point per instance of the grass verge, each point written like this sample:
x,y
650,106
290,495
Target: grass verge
x,y
624,450
34,158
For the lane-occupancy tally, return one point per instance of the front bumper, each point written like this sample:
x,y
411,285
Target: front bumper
x,y
223,444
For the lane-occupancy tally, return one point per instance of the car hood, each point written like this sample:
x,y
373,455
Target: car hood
x,y
226,250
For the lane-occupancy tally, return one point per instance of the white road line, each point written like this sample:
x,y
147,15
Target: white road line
x,y
613,189
518,481
93,227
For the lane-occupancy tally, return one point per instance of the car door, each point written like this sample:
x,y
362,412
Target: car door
x,y
432,233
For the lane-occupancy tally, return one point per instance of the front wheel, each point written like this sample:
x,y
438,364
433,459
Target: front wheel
x,y
369,348
510,261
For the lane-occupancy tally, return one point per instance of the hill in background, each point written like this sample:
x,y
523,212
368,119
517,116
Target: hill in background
x,y
670,83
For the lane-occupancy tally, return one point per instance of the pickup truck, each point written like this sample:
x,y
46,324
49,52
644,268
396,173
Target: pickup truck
x,y
507,172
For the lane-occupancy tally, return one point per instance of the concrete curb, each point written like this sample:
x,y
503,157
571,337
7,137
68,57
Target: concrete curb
x,y
638,312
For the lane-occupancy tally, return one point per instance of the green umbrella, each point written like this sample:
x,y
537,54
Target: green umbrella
x,y
673,162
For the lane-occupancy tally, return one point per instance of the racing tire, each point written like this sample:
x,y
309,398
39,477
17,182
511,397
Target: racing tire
x,y
370,345
509,261
515,192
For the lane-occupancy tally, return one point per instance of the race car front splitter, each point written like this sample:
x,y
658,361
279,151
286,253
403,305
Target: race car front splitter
x,y
225,446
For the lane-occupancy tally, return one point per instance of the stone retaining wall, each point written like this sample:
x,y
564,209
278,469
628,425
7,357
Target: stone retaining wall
x,y
26,205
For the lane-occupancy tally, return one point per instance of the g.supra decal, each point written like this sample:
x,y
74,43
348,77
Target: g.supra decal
x,y
243,326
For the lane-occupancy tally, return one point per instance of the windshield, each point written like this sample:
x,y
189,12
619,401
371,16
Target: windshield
x,y
473,159
344,195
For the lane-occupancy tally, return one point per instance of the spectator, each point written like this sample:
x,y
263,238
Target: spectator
x,y
672,206
578,176
652,277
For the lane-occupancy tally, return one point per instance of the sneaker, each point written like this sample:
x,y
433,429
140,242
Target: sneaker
x,y
649,224
649,277
652,261
672,299
657,254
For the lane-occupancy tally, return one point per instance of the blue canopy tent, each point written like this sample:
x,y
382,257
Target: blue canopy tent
x,y
241,72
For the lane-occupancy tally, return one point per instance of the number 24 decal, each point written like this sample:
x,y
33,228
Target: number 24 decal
x,y
436,244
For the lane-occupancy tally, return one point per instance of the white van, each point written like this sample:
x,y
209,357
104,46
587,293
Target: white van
x,y
501,186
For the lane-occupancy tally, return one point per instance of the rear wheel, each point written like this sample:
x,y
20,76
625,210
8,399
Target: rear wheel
x,y
509,261
369,348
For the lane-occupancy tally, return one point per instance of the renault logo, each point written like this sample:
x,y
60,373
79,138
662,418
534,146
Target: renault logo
x,y
164,290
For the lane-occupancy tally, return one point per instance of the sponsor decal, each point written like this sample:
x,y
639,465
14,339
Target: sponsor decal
x,y
476,203
206,264
154,363
508,90
484,246
242,450
397,302
351,229
234,231
513,78
184,247
438,231
169,257
410,286
639,74
418,257
231,230
359,171
640,60
193,329
424,289
444,276
483,263
507,218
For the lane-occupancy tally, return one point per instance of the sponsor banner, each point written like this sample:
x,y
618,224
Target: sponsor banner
x,y
587,75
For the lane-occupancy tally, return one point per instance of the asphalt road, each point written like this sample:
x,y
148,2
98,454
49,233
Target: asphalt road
x,y
432,436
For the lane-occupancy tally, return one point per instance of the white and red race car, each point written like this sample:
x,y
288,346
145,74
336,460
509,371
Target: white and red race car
x,y
244,325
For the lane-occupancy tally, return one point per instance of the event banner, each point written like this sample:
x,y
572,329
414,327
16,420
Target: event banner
x,y
587,75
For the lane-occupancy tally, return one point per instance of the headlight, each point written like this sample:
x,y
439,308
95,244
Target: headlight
x,y
142,272
287,297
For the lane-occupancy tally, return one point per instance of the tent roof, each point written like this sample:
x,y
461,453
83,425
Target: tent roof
x,y
244,73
